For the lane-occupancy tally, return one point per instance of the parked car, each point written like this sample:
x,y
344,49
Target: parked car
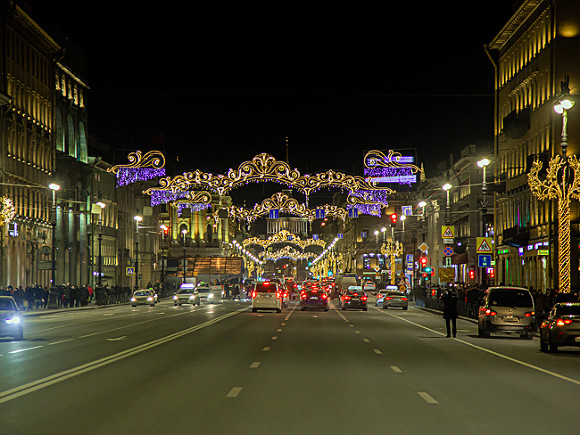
x,y
395,299
561,328
10,319
507,310
315,299
186,295
354,297
143,297
267,296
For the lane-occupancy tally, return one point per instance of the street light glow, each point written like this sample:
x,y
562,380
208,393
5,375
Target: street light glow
x,y
101,204
565,104
446,186
422,204
483,163
138,218
54,186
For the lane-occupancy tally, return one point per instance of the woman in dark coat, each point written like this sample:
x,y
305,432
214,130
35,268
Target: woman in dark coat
x,y
450,311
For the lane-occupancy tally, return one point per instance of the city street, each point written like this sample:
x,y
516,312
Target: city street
x,y
222,369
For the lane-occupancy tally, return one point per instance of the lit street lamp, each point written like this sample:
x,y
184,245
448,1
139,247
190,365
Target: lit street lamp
x,y
184,232
137,278
483,164
446,188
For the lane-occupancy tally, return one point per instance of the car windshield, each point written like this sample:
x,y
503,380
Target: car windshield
x,y
510,298
184,291
568,310
203,290
7,305
266,287
143,293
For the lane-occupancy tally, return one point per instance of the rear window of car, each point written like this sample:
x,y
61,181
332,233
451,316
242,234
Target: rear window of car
x,y
568,310
510,298
266,287
396,294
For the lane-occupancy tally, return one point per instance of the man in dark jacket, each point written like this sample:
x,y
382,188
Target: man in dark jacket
x,y
450,311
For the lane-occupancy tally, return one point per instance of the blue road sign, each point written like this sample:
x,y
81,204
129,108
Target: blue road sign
x,y
484,260
274,213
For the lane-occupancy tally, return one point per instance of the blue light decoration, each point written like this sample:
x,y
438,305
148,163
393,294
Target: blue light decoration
x,y
141,167
191,206
371,201
164,196
127,176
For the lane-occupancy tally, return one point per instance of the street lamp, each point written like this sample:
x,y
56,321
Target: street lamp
x,y
483,164
101,205
562,107
184,232
137,220
54,187
446,188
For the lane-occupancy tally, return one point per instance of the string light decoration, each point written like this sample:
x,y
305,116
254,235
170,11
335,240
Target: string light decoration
x,y
159,197
265,168
7,210
141,167
394,165
282,202
284,236
392,249
196,201
285,252
368,202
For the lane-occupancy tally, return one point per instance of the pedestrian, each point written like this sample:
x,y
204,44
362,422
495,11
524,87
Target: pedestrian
x,y
450,311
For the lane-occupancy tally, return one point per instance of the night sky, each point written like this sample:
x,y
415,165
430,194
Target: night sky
x,y
223,84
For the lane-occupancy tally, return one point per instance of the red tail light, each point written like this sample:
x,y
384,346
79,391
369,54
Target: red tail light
x,y
388,298
561,322
403,299
529,314
324,296
253,294
363,298
488,312
346,298
286,294
314,291
278,295
303,296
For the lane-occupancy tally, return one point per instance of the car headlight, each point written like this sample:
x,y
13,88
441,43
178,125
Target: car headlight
x,y
133,300
210,295
175,297
150,299
192,297
13,321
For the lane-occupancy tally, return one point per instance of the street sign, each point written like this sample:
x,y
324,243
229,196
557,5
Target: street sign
x,y
407,210
340,236
274,213
543,252
484,245
447,261
353,212
320,213
409,258
448,251
130,271
448,231
484,260
423,247
446,274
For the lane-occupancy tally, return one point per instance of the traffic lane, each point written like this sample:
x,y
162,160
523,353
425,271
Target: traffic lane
x,y
41,357
177,387
470,380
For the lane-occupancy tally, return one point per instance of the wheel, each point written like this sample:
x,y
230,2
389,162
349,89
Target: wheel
x,y
543,345
152,305
385,307
179,305
133,306
325,308
404,308
481,333
343,308
526,336
365,309
174,305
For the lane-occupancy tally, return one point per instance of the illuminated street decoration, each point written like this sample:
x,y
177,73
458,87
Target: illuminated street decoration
x,y
392,249
196,201
283,203
287,252
368,202
165,196
7,211
391,168
141,167
283,236
265,168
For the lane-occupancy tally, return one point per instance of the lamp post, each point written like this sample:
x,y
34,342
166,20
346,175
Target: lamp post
x,y
184,232
137,220
392,249
54,187
483,165
446,188
101,205
562,182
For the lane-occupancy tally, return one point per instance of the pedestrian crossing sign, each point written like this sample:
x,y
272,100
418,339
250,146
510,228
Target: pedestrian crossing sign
x,y
448,231
484,245
130,271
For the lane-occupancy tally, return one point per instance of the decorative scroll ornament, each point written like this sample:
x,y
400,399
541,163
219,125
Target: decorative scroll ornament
x,y
286,252
562,183
7,211
141,167
283,236
263,168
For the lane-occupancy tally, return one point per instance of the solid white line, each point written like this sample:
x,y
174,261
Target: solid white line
x,y
234,392
396,369
491,352
378,352
61,341
357,332
427,397
351,325
24,350
255,365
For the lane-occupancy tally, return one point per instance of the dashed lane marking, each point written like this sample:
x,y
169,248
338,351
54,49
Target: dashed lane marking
x,y
255,365
61,341
266,349
234,392
427,397
274,338
396,369
366,340
378,351
278,330
24,350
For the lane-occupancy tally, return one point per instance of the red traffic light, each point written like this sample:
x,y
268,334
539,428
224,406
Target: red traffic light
x,y
393,218
423,261
472,274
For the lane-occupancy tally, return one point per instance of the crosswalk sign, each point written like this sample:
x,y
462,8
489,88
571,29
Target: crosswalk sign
x,y
130,271
484,245
448,231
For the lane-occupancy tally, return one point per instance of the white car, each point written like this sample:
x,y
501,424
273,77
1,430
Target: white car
x,y
369,286
143,297
10,319
267,296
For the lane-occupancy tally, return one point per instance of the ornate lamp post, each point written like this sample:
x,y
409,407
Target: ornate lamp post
x,y
446,188
562,182
184,232
392,249
101,205
483,164
137,220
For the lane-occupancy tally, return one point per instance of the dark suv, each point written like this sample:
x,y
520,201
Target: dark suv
x,y
507,310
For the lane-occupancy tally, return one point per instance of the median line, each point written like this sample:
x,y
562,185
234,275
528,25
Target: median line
x,y
39,384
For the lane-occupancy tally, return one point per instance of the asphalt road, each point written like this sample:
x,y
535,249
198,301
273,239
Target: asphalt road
x,y
219,369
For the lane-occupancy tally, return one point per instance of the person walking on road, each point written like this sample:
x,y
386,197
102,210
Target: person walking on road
x,y
450,312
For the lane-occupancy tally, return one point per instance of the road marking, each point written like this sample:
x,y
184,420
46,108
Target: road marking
x,y
366,340
117,339
491,352
234,392
351,325
427,397
22,390
378,352
283,324
266,349
24,350
396,369
255,365
61,341
278,330
357,332
274,338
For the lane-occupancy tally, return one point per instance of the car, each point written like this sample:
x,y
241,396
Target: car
x,y
381,294
143,297
314,298
369,285
354,297
561,328
186,294
207,294
267,295
10,319
395,299
506,309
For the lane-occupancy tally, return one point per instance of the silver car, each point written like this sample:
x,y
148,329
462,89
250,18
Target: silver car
x,y
507,310
10,319
395,299
186,294
143,297
206,294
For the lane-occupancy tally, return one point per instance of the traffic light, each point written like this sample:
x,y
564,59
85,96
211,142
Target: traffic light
x,y
428,269
423,261
491,272
471,274
393,218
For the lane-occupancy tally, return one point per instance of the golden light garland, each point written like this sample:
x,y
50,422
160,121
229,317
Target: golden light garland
x,y
7,211
393,250
283,236
562,183
285,252
151,159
